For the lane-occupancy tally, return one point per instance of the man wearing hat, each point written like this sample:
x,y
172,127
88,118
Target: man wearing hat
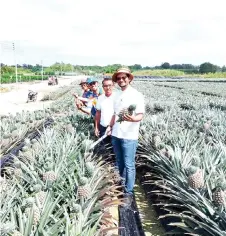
x,y
125,133
86,93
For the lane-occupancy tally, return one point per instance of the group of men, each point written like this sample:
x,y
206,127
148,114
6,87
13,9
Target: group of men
x,y
105,106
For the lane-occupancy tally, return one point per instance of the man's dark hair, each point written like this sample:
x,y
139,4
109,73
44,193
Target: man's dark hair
x,y
106,79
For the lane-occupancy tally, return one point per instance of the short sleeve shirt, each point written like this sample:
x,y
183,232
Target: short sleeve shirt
x,y
106,106
123,99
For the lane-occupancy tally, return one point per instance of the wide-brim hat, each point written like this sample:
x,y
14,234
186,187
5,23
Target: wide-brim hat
x,y
122,70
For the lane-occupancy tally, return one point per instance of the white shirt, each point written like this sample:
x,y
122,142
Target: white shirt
x,y
105,105
123,99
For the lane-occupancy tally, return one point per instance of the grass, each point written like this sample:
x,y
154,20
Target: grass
x,y
178,73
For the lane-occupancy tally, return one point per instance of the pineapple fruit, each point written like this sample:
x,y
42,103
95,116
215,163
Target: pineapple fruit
x,y
83,188
219,194
126,111
36,213
49,176
40,199
195,178
156,140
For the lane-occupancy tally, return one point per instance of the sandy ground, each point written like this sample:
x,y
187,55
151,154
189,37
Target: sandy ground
x,y
15,100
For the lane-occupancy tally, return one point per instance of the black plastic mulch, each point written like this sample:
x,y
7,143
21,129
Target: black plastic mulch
x,y
129,221
7,158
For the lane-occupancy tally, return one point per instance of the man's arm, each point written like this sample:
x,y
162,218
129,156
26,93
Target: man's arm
x,y
84,110
134,118
97,122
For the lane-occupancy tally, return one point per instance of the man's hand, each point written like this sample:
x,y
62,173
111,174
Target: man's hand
x,y
108,130
97,132
75,95
129,118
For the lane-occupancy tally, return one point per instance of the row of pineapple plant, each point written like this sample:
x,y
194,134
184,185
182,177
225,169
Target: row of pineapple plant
x,y
55,186
182,154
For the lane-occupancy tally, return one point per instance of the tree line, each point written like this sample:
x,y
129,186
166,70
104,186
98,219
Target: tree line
x,y
60,68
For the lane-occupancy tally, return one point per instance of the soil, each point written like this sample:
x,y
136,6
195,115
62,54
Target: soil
x,y
13,97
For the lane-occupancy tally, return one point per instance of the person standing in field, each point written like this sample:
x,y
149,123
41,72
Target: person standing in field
x,y
125,133
86,93
104,108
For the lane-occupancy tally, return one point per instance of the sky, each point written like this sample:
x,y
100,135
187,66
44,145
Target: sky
x,y
102,32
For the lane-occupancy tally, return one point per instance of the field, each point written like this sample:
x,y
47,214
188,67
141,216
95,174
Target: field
x,y
53,184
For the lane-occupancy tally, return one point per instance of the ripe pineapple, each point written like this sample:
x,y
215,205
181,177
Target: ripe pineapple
x,y
126,111
219,197
36,214
219,193
49,176
195,178
89,169
83,188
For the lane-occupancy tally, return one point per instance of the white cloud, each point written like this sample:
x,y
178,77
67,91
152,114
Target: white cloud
x,y
120,31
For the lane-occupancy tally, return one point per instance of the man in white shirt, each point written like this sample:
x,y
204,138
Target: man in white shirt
x,y
104,108
125,133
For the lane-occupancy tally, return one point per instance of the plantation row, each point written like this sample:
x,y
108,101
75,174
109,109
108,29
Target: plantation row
x,y
57,186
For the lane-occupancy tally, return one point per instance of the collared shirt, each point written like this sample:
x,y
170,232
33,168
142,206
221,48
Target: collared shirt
x,y
106,106
123,99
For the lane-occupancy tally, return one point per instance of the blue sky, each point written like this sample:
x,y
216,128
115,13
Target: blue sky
x,y
104,32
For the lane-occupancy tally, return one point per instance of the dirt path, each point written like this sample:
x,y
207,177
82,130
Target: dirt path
x,y
15,100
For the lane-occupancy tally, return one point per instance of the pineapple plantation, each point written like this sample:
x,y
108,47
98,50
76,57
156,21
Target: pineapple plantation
x,y
56,185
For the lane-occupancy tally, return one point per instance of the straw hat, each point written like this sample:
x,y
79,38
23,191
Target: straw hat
x,y
122,70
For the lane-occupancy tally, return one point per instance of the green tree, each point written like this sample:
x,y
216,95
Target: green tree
x,y
165,65
223,69
207,67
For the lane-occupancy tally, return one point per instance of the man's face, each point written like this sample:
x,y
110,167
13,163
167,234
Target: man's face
x,y
84,86
122,80
108,86
93,86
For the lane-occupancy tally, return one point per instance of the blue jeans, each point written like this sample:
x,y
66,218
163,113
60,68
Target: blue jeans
x,y
125,151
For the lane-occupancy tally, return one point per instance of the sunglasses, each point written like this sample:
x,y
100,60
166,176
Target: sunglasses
x,y
92,83
119,78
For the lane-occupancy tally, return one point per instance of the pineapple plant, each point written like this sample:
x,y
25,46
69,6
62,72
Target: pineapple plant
x,y
126,111
83,189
